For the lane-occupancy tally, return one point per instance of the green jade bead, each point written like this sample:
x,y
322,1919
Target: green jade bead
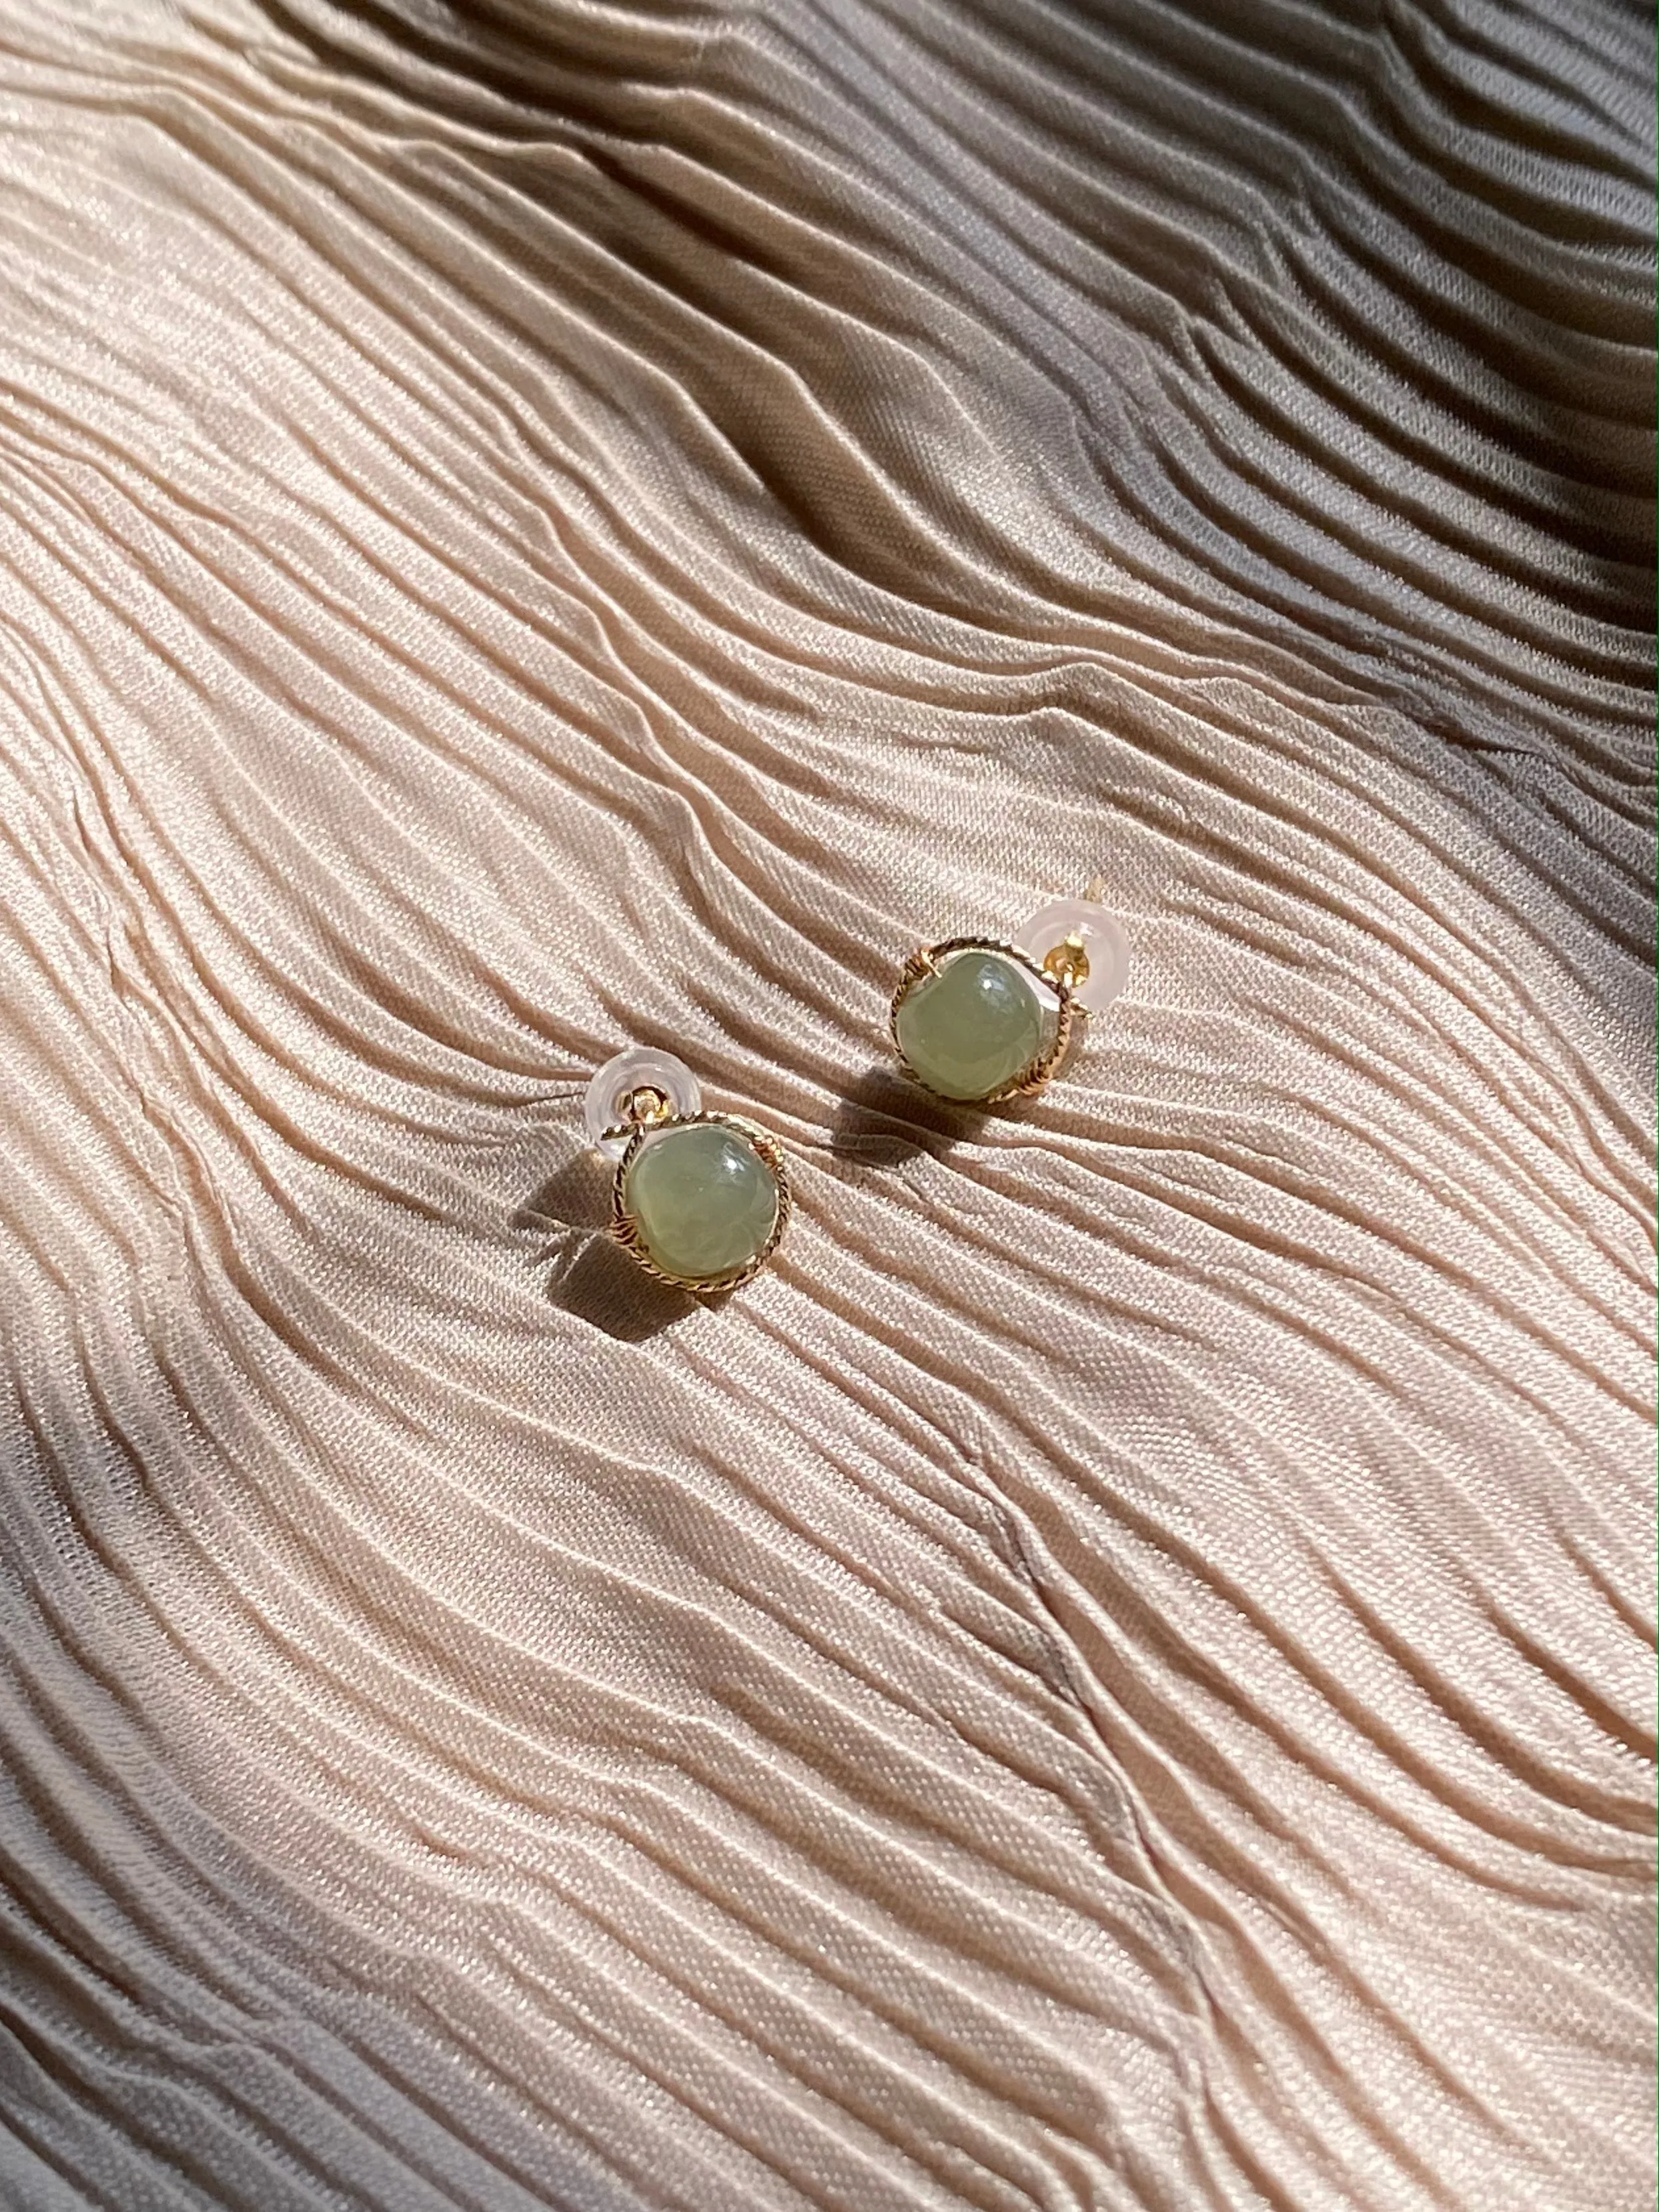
x,y
972,1029
703,1201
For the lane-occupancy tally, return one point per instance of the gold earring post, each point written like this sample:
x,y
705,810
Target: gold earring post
x,y
646,1107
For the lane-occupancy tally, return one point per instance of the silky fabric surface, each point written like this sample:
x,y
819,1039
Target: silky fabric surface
x,y
1117,1674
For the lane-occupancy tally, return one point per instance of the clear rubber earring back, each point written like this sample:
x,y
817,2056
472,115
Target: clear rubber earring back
x,y
1081,940
614,1107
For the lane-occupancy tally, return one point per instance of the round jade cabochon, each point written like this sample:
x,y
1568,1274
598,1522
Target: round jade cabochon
x,y
703,1201
976,1026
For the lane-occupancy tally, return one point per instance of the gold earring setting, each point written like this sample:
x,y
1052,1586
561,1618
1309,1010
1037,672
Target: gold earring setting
x,y
700,1201
976,1019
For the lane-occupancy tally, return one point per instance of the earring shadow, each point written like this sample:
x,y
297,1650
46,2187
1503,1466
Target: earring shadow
x,y
883,1119
591,1277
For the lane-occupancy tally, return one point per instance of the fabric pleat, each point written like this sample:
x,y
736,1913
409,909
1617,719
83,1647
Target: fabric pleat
x,y
1117,1675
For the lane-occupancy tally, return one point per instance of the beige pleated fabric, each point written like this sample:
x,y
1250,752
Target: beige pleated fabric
x,y
1116,1676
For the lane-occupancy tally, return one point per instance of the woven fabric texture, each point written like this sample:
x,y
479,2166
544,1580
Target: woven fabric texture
x,y
1117,1675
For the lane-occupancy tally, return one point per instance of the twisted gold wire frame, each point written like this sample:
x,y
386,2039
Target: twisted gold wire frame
x,y
928,961
626,1230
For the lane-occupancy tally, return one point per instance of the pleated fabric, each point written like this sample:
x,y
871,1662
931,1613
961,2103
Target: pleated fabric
x,y
1117,1675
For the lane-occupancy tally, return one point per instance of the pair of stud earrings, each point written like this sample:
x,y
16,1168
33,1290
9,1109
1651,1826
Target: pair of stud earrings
x,y
701,1201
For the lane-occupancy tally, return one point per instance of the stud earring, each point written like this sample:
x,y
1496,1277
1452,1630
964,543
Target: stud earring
x,y
700,1200
975,1019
